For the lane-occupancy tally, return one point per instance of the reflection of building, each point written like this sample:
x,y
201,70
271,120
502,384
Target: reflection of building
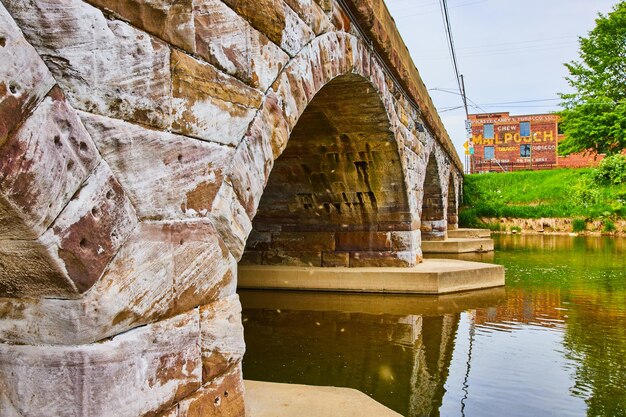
x,y
509,143
522,307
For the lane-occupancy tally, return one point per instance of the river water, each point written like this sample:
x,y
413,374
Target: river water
x,y
552,342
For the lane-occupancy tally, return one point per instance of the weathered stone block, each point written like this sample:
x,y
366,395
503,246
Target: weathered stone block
x,y
29,268
164,268
304,241
363,241
295,258
103,66
24,78
139,372
231,219
166,176
92,227
221,338
222,397
204,270
170,20
377,259
42,165
267,16
270,125
336,259
312,14
250,170
433,229
405,240
227,41
296,33
208,104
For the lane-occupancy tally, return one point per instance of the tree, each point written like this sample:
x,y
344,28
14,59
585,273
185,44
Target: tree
x,y
594,116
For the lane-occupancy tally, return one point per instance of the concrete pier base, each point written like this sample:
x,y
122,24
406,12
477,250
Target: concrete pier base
x,y
372,303
270,399
433,276
457,245
469,233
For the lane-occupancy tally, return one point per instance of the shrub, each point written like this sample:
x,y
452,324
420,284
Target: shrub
x,y
579,225
608,226
586,193
516,229
494,227
612,170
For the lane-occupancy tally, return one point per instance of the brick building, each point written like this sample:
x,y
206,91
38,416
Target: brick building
x,y
509,143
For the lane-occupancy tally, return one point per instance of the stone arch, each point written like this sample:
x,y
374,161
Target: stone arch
x,y
335,55
336,196
433,224
453,203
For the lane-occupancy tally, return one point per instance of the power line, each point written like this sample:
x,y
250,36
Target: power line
x,y
459,78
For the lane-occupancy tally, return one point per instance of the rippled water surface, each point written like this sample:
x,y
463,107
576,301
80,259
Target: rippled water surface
x,y
550,343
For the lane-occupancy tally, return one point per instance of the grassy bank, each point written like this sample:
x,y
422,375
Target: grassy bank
x,y
562,193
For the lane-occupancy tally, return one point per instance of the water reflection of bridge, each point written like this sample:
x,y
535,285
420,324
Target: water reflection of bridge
x,y
397,349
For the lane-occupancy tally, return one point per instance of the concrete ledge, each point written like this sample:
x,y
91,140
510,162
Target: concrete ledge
x,y
270,399
433,276
372,303
457,245
469,233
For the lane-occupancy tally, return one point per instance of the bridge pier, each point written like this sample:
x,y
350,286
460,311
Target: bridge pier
x,y
137,140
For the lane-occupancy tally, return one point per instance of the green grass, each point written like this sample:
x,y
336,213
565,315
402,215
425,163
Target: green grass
x,y
579,225
534,194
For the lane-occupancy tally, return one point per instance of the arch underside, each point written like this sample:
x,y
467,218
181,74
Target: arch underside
x,y
433,224
453,204
336,196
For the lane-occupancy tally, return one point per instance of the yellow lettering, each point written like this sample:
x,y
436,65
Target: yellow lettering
x,y
527,139
517,138
478,140
508,137
498,141
536,137
548,135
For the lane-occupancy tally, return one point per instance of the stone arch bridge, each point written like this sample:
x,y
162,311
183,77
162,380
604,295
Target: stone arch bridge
x,y
143,141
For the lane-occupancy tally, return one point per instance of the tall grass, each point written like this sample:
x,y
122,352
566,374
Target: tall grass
x,y
536,194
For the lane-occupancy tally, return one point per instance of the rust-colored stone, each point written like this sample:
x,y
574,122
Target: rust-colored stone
x,y
227,41
222,397
166,176
24,78
267,16
41,166
104,66
153,367
170,20
92,227
363,241
221,338
209,104
270,125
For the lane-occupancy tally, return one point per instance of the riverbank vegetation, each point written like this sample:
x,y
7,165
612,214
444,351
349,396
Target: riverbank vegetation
x,y
587,194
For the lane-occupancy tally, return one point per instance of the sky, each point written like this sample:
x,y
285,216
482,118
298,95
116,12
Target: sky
x,y
510,52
